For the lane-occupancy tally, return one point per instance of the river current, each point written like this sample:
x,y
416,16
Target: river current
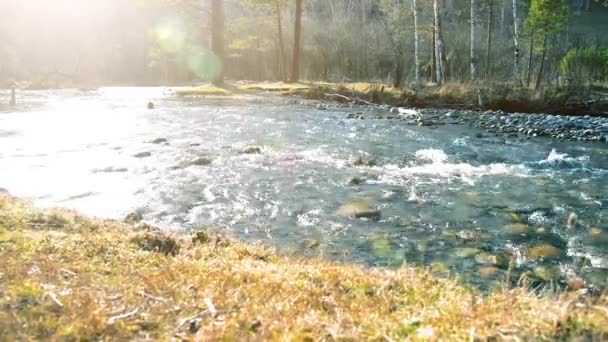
x,y
454,198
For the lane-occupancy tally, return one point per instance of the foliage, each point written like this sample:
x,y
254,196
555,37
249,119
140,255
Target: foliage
x,y
585,65
547,16
67,277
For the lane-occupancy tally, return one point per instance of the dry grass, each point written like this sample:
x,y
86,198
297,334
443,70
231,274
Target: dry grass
x,y
203,90
63,276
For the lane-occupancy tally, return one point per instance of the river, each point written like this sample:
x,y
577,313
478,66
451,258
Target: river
x,y
454,198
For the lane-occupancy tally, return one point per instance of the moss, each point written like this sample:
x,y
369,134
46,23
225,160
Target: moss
x,y
90,280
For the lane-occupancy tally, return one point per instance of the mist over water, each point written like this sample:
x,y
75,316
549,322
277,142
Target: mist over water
x,y
445,196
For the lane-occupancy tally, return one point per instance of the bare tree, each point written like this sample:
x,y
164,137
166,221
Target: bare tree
x,y
416,42
439,68
297,44
515,40
473,58
489,43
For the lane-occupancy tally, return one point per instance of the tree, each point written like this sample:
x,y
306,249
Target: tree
x,y
416,42
297,44
546,17
439,55
489,43
217,37
515,40
473,22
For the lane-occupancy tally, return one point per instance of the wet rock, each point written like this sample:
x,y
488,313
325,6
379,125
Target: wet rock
x,y
517,229
466,252
492,259
356,181
201,161
544,251
489,271
571,223
359,209
159,141
251,150
361,161
143,155
311,243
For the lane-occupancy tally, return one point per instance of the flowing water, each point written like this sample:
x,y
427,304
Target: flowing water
x,y
447,197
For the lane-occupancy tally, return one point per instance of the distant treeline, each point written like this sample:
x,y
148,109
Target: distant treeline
x,y
397,41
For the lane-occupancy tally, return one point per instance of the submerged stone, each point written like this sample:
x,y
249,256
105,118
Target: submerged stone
x,y
466,252
251,150
498,260
488,272
543,251
142,155
202,161
517,229
359,209
159,141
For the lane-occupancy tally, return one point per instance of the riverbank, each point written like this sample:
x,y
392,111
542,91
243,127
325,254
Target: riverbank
x,y
508,112
67,276
572,101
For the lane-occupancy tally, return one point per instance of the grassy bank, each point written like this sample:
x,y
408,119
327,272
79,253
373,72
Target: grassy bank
x,y
496,96
66,276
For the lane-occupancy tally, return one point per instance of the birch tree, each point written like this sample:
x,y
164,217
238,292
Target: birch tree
x,y
439,56
515,41
473,22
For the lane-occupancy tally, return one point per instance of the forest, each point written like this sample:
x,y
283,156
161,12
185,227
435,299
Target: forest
x,y
398,42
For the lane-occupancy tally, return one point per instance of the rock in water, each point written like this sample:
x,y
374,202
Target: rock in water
x,y
543,251
159,141
142,155
572,218
252,150
202,161
359,209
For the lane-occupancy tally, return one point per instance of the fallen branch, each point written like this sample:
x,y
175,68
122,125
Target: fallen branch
x,y
348,99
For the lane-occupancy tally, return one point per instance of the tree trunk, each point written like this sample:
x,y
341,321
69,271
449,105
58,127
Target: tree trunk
x,y
282,59
434,56
530,59
515,41
297,44
416,43
398,72
438,45
489,43
217,38
542,63
473,22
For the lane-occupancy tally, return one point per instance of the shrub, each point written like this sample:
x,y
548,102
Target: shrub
x,y
580,65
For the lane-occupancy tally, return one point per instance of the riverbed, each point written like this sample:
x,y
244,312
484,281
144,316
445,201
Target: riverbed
x,y
296,175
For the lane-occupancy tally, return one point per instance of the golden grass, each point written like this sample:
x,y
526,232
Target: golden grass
x,y
203,90
63,276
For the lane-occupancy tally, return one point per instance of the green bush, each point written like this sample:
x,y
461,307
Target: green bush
x,y
580,65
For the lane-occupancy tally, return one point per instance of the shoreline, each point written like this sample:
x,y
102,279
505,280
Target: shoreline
x,y
63,275
450,104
